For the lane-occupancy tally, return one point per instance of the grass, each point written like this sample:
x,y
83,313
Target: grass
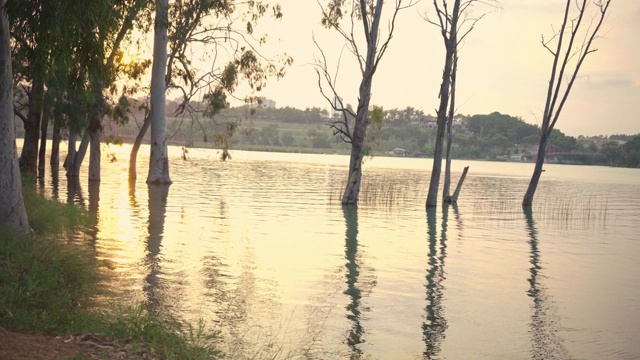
x,y
48,285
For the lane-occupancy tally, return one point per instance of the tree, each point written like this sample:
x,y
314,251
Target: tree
x,y
12,211
355,132
159,160
565,56
212,24
454,24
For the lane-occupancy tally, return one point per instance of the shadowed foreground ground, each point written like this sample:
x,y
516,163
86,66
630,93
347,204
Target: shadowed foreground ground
x,y
19,346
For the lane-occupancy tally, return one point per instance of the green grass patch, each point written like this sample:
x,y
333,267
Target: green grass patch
x,y
49,285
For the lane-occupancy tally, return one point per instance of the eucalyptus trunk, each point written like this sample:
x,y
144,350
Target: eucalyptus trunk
x,y
71,151
159,159
29,155
95,137
54,161
76,161
13,214
42,152
133,174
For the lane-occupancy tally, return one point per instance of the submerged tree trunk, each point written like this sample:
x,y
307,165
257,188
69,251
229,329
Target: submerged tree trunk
x,y
575,50
159,159
95,135
71,151
454,198
451,43
436,170
352,190
76,161
54,161
133,174
537,171
29,155
13,214
42,152
446,197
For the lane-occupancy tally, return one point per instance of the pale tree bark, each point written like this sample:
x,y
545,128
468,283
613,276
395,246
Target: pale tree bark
x,y
13,214
159,159
136,147
579,36
95,137
42,151
369,17
76,161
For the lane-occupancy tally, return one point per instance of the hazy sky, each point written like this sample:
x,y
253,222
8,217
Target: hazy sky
x,y
502,65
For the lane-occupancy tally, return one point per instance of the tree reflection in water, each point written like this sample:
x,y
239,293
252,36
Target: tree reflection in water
x,y
158,194
435,324
355,335
546,344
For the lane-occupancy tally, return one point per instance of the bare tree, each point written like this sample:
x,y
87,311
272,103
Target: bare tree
x,y
455,22
368,14
573,44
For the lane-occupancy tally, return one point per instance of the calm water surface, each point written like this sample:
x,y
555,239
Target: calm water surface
x,y
261,249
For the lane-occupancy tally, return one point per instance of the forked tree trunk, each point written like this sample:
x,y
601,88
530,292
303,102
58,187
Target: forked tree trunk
x,y
451,43
13,215
76,163
42,152
159,159
133,158
29,155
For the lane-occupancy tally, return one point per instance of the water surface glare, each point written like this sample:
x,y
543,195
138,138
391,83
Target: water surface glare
x,y
261,249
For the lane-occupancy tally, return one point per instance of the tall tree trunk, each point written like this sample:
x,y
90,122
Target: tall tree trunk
x,y
352,190
451,43
71,151
159,159
95,134
29,155
54,161
446,197
434,182
76,163
537,170
358,140
13,214
136,146
42,152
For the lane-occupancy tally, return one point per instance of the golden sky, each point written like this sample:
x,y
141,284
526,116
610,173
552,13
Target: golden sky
x,y
503,66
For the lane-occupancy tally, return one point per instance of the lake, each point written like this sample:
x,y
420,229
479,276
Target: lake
x,y
260,249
